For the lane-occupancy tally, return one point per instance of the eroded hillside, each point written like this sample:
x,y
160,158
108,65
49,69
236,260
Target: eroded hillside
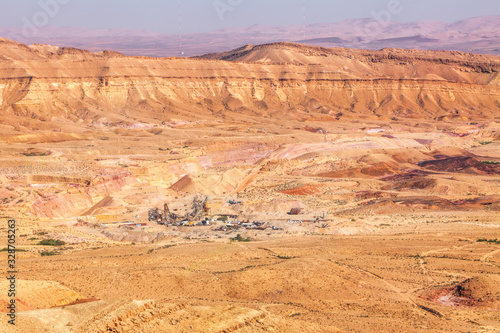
x,y
41,83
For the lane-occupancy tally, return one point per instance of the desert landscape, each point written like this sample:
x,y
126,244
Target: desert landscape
x,y
278,187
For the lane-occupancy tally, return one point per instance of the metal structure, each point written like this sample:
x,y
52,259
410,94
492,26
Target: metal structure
x,y
200,207
168,216
154,214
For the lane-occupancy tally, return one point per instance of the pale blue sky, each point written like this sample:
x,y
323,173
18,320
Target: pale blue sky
x,y
201,15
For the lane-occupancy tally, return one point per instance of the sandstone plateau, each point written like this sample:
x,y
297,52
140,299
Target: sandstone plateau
x,y
365,183
46,83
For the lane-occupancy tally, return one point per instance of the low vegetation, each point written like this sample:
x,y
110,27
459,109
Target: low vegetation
x,y
49,253
17,250
36,153
238,238
160,248
51,242
284,257
492,241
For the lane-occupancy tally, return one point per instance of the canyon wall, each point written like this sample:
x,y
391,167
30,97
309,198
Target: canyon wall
x,y
46,83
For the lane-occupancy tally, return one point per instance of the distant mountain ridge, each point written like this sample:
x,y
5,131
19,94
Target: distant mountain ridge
x,y
475,35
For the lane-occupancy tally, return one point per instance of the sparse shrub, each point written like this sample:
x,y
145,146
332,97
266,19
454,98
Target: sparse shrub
x,y
484,143
284,257
492,241
49,253
37,153
51,242
17,250
238,238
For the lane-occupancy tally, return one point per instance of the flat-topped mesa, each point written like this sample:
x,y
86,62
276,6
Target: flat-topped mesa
x,y
276,52
39,82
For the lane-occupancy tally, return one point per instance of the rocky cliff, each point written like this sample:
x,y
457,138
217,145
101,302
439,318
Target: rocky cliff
x,y
39,83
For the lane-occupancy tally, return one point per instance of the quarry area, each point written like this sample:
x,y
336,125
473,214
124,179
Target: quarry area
x,y
273,188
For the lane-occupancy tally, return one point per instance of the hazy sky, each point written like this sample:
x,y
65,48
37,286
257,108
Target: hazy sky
x,y
209,15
